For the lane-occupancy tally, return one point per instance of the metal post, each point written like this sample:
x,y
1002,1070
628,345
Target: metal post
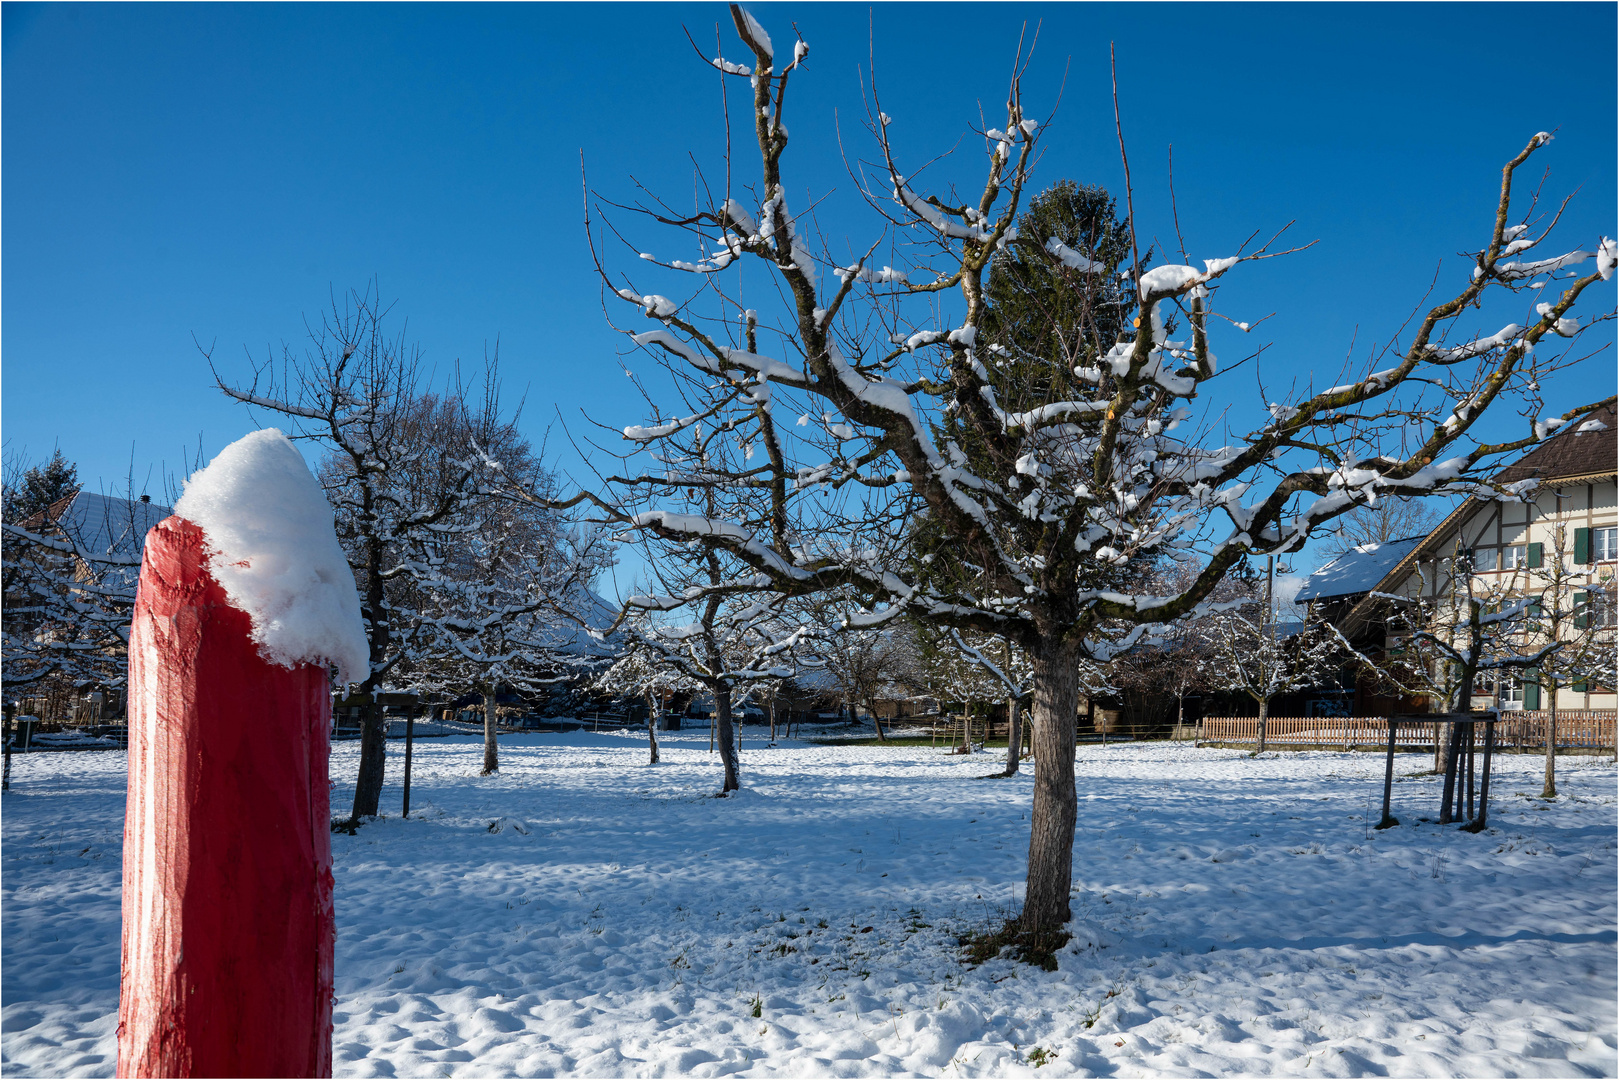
x,y
1472,751
1480,823
410,742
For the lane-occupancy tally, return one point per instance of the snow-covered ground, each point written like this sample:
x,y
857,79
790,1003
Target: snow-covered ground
x,y
585,913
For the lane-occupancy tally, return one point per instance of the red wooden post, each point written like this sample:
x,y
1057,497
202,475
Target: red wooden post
x,y
228,927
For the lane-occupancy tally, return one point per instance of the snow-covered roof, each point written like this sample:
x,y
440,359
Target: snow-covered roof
x,y
568,637
1357,570
103,525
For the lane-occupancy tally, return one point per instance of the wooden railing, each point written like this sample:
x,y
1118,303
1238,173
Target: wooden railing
x,y
1577,729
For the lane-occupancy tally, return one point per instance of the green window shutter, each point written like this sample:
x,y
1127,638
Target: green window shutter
x,y
1535,556
1582,610
1582,546
1534,608
1531,693
1582,687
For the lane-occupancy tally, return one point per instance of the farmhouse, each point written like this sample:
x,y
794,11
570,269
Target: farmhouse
x,y
1504,549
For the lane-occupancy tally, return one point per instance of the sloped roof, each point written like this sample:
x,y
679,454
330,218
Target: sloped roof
x,y
1357,570
102,524
1588,447
567,636
1585,449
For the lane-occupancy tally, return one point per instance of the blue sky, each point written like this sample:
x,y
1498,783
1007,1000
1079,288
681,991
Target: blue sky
x,y
215,172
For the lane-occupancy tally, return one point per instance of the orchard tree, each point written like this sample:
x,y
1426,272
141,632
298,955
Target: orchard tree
x,y
503,592
871,393
403,468
642,671
1247,656
1013,676
71,561
732,640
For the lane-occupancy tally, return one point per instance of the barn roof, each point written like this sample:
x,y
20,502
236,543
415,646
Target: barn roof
x,y
1357,570
102,524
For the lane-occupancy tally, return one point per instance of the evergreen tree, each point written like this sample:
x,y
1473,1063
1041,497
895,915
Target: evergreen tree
x,y
39,486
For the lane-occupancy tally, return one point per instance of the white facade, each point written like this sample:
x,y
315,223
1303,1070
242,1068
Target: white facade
x,y
1561,549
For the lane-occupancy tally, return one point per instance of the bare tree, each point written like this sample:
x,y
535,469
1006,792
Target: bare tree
x,y
643,671
1247,656
1390,519
1568,608
731,642
844,397
1013,675
71,561
395,483
865,663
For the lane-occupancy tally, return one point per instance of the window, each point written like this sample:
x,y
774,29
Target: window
x,y
1484,559
1514,693
1514,557
1605,544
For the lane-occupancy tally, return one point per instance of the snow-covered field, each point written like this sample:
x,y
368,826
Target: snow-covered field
x,y
1232,916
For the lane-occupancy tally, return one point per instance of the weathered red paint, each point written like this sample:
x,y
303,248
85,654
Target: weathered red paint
x,y
227,961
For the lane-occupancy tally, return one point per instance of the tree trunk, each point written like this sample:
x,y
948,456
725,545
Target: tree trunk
x,y
373,755
652,727
1447,795
1480,820
1388,820
1056,806
1014,735
722,712
1264,717
877,722
772,720
1549,789
491,751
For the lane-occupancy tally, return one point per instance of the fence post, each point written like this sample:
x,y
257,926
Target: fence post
x,y
227,905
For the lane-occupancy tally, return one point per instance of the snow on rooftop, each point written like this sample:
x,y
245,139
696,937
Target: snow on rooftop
x,y
274,550
106,525
1357,570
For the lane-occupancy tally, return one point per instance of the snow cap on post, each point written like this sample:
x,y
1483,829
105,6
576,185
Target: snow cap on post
x,y
273,549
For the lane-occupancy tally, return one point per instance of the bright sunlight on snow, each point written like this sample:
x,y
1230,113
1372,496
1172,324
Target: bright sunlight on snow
x,y
275,553
583,913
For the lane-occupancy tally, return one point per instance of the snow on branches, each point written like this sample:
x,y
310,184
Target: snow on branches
x,y
863,402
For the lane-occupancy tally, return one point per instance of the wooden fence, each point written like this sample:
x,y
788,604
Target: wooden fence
x,y
1577,729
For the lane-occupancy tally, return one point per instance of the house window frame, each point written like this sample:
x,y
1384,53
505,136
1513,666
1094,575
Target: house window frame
x,y
1605,543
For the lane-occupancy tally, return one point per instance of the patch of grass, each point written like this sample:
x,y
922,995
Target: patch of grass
x,y
1038,1057
1037,948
